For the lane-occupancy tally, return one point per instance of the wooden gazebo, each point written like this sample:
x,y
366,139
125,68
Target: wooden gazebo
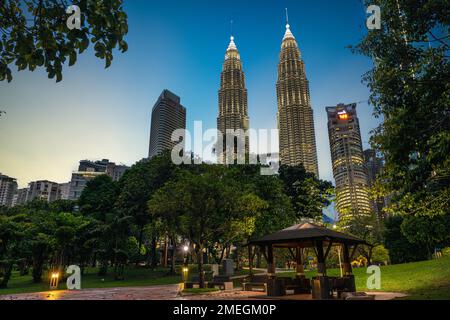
x,y
321,239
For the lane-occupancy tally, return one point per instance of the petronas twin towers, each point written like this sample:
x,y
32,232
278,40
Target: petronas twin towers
x,y
297,141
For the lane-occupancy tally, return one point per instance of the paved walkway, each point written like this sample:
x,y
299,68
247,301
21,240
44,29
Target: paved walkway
x,y
164,292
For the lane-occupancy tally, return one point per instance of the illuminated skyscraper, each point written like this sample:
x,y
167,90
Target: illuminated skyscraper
x,y
233,110
348,162
297,139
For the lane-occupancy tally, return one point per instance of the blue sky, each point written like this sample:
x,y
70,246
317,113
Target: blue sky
x,y
180,45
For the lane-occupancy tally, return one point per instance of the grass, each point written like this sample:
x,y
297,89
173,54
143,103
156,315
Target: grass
x,y
420,280
134,276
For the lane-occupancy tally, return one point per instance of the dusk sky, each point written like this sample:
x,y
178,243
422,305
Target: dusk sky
x,y
97,113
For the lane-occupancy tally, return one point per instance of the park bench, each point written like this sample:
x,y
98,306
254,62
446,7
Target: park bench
x,y
299,285
223,282
195,280
255,281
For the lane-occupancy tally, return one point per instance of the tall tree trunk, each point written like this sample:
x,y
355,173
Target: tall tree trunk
x,y
258,258
166,249
201,272
238,262
141,233
173,255
7,270
38,263
154,263
222,253
250,259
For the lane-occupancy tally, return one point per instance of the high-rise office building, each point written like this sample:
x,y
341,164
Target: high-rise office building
x,y
168,115
42,189
349,172
20,197
8,187
233,109
297,141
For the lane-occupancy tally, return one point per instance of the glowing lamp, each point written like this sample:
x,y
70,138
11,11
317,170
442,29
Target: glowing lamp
x,y
54,279
343,116
185,274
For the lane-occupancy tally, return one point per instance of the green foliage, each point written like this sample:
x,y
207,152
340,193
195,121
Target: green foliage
x,y
410,91
401,250
308,194
380,254
98,197
136,187
34,34
428,231
409,88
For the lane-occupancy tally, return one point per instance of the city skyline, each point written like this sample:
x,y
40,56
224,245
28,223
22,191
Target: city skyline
x,y
96,113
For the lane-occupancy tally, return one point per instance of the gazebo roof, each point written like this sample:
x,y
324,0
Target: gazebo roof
x,y
304,235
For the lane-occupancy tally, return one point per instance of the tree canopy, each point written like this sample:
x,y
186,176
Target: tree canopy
x,y
34,33
410,91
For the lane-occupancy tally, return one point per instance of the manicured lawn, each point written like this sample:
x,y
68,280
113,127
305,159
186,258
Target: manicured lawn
x,y
133,277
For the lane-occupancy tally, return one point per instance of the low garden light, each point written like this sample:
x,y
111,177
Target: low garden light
x,y
185,272
185,249
54,280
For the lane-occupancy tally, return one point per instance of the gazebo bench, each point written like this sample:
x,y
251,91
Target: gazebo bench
x,y
248,286
299,285
259,281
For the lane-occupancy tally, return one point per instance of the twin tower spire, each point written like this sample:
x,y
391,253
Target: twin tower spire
x,y
297,141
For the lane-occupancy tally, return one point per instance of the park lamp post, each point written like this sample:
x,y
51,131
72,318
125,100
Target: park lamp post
x,y
185,269
54,280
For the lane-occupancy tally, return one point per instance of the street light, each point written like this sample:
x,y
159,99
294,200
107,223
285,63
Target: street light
x,y
185,269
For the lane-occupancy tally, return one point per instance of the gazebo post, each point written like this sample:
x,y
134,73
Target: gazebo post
x,y
299,261
320,285
274,286
321,268
347,266
270,262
